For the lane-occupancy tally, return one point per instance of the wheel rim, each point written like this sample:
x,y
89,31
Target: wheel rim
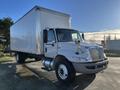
x,y
62,71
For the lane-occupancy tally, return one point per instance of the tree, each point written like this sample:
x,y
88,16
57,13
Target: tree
x,y
5,24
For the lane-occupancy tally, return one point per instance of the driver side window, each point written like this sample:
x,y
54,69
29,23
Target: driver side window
x,y
74,36
51,36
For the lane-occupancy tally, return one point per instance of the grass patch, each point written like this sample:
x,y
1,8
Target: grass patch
x,y
6,59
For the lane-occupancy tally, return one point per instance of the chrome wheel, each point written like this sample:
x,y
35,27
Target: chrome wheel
x,y
62,71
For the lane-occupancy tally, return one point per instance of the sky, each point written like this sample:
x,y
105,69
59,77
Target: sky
x,y
87,15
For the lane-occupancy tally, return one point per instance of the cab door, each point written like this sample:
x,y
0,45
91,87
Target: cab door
x,y
50,46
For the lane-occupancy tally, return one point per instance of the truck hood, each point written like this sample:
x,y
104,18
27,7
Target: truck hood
x,y
69,50
72,45
89,44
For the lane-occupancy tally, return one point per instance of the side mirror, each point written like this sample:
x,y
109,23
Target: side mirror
x,y
83,36
45,36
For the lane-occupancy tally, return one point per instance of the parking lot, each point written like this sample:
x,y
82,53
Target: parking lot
x,y
30,77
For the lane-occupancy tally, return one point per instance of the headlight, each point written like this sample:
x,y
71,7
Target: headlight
x,y
84,53
96,54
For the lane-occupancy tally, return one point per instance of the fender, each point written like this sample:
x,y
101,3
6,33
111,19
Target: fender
x,y
60,58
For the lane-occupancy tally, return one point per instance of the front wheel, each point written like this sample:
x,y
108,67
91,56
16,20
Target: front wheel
x,y
65,71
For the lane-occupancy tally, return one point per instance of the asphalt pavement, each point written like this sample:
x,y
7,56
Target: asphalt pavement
x,y
30,76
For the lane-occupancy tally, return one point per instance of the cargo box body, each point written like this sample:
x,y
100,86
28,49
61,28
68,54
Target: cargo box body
x,y
26,35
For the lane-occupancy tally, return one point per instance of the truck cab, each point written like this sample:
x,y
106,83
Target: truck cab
x,y
71,54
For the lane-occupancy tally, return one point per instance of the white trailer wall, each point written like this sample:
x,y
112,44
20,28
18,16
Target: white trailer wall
x,y
23,34
52,19
26,35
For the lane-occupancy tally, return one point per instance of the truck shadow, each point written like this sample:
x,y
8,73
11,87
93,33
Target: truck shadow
x,y
82,81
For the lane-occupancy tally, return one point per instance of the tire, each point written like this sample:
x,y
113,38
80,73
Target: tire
x,y
65,71
20,59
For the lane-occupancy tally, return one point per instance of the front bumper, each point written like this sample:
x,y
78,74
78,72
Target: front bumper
x,y
90,67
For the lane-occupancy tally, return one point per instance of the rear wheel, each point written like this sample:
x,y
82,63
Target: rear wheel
x,y
65,71
20,58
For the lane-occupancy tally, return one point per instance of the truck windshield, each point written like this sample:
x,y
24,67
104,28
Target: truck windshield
x,y
68,35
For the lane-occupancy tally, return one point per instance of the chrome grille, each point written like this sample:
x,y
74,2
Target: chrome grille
x,y
96,54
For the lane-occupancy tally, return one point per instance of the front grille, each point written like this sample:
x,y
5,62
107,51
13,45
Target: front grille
x,y
96,54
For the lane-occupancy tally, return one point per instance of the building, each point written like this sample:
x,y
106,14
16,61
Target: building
x,y
102,36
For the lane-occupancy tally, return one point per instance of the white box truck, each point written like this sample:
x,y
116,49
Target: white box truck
x,y
46,35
